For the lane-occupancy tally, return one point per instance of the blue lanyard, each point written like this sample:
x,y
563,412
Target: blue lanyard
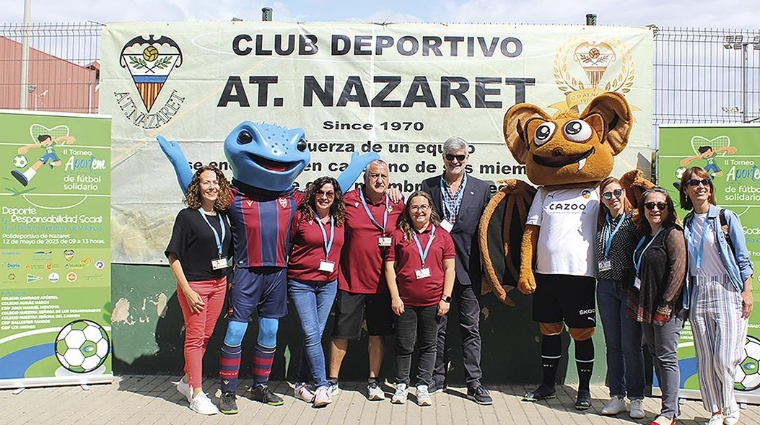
x,y
448,212
424,254
216,235
637,264
328,242
369,214
608,241
693,242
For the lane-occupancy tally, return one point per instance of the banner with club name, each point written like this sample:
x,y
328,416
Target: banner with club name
x,y
396,89
731,155
55,280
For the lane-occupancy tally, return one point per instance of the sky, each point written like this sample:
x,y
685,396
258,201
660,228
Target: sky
x,y
663,13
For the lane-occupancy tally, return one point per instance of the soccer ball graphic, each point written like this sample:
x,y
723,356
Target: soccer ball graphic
x,y
150,53
679,172
748,371
20,161
82,346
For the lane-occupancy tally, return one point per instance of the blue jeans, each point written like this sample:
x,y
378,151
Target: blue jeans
x,y
622,335
313,302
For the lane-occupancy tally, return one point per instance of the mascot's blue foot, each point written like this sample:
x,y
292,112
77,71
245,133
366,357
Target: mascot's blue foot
x,y
541,393
20,177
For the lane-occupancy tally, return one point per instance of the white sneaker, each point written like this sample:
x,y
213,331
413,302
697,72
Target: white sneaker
x,y
423,397
333,388
203,405
303,392
733,418
715,420
322,397
399,397
637,409
615,406
374,392
185,389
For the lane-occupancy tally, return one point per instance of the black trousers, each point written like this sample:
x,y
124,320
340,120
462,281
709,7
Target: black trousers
x,y
469,325
420,325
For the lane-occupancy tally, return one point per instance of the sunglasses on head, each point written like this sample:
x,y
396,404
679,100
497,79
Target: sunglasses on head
x,y
616,193
697,182
451,156
660,206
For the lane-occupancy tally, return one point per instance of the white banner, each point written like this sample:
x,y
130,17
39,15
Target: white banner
x,y
396,89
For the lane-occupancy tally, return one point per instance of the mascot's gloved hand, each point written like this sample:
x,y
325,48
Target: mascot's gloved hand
x,y
172,151
355,167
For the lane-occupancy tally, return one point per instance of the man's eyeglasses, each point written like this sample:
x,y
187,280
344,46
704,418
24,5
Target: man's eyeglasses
x,y
423,207
459,157
697,182
662,206
327,193
616,193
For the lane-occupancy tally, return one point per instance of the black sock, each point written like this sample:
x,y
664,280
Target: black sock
x,y
551,351
584,361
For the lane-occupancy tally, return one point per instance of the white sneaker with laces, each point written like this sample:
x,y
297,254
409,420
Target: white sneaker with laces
x,y
322,397
374,392
423,396
185,389
637,409
733,417
203,405
399,397
715,420
303,392
615,406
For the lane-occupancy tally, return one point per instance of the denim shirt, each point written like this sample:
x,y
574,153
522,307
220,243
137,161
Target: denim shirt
x,y
738,266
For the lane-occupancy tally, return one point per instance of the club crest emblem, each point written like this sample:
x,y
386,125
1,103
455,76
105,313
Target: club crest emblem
x,y
150,62
283,202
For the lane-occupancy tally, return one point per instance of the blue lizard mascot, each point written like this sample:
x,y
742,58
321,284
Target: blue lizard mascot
x,y
266,159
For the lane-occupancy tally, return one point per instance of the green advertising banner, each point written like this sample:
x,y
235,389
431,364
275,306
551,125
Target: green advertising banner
x,y
55,283
731,154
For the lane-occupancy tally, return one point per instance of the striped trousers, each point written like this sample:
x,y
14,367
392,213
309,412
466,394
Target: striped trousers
x,y
719,334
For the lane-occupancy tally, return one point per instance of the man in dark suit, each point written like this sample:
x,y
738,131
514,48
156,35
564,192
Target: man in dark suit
x,y
459,200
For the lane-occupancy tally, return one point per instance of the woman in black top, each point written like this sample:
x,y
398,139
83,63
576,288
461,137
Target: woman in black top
x,y
198,254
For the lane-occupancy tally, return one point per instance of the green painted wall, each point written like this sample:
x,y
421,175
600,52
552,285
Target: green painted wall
x,y
147,337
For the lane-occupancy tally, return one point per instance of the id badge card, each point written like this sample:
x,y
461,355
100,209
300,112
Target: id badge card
x,y
422,273
384,241
446,225
326,266
605,265
637,283
220,263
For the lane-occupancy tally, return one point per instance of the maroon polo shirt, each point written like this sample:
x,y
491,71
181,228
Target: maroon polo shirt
x,y
361,270
426,291
309,250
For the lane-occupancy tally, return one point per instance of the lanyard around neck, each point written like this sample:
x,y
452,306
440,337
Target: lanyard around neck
x,y
637,264
698,253
451,212
369,214
424,254
216,235
608,241
328,242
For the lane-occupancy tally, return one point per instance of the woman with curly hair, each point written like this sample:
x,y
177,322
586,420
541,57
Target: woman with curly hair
x,y
198,254
419,270
317,236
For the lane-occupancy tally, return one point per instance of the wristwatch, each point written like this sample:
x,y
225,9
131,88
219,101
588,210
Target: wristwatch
x,y
446,298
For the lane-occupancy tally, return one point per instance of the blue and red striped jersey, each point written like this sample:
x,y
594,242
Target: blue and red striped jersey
x,y
260,222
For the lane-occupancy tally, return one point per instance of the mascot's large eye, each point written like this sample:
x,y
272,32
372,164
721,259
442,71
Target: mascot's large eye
x,y
543,133
244,137
301,145
577,131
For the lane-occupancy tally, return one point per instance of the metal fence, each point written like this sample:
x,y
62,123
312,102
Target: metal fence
x,y
700,75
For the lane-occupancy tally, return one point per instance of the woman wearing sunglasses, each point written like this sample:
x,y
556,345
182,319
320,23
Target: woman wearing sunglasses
x,y
317,235
720,293
616,238
655,300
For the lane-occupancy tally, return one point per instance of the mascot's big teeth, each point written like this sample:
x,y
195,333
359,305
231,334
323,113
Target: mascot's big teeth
x,y
581,164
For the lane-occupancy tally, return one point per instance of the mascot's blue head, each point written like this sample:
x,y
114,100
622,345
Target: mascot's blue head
x,y
266,156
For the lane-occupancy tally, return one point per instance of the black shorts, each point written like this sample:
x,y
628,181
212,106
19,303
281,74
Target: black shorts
x,y
565,298
352,309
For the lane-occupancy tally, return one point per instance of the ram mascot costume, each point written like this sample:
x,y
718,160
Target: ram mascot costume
x,y
541,240
266,159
